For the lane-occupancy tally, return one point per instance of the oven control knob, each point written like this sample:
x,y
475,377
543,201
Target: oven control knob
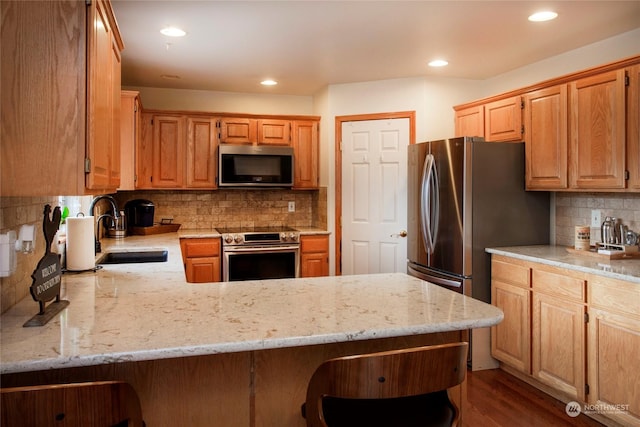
x,y
293,237
283,237
228,238
237,238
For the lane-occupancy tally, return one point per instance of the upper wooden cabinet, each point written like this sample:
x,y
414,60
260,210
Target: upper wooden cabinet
x,y
582,131
305,152
274,132
503,120
470,121
177,151
169,151
245,130
598,120
180,150
633,128
238,130
130,125
70,85
201,152
546,138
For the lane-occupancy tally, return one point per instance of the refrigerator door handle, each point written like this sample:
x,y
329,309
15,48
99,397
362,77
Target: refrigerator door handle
x,y
429,199
436,279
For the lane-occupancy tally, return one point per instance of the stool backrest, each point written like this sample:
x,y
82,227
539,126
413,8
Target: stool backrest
x,y
93,404
390,374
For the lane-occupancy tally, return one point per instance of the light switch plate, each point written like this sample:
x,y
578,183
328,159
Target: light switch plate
x,y
596,218
292,206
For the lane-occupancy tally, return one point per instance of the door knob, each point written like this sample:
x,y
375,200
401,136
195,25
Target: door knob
x,y
403,233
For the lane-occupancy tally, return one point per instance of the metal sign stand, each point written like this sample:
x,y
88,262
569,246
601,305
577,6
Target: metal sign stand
x,y
47,277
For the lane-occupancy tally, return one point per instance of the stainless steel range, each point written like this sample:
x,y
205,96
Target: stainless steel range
x,y
260,253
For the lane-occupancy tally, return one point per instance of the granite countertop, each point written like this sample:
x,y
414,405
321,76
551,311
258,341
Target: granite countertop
x,y
558,256
134,312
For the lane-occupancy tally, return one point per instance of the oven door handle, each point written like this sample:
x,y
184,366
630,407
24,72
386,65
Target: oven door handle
x,y
261,249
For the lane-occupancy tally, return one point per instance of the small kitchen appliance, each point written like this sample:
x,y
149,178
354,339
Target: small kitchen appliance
x,y
140,212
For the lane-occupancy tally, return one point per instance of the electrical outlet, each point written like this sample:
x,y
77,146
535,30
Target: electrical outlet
x,y
596,218
292,206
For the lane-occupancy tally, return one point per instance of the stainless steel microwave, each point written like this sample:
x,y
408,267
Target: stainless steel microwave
x,y
255,166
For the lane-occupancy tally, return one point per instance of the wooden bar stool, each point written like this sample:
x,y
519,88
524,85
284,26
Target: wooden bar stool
x,y
393,388
94,404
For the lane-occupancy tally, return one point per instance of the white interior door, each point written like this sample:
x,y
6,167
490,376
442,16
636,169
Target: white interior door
x,y
374,196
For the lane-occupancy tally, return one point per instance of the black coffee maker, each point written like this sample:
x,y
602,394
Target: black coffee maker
x,y
139,212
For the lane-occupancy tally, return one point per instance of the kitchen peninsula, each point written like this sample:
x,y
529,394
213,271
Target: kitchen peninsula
x,y
237,353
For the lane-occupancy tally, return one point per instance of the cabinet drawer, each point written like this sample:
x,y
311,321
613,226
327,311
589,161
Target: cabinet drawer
x,y
201,248
614,295
314,244
558,284
510,273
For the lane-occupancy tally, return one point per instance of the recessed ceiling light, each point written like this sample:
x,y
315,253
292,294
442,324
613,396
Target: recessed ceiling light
x,y
172,32
268,82
438,63
543,16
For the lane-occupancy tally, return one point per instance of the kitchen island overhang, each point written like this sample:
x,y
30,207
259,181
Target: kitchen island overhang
x,y
136,321
240,353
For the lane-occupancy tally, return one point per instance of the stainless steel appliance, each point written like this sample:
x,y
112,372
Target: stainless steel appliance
x,y
260,253
464,195
255,166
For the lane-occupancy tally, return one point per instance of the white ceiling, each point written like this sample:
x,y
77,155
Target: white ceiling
x,y
307,45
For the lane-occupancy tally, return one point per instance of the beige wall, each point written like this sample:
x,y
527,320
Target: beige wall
x,y
221,102
609,50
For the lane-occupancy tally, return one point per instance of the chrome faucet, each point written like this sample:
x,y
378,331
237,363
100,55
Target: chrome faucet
x,y
116,214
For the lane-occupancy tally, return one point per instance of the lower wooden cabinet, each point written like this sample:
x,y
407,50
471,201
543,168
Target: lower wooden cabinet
x,y
314,256
580,332
614,348
510,291
201,257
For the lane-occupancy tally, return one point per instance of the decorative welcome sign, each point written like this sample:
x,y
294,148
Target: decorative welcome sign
x,y
47,277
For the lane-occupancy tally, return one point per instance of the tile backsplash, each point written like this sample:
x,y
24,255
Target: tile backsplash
x,y
575,209
235,208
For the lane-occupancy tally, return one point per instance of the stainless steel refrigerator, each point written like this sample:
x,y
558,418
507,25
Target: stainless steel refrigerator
x,y
464,195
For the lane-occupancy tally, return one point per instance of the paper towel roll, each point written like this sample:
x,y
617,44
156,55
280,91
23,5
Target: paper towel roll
x,y
80,243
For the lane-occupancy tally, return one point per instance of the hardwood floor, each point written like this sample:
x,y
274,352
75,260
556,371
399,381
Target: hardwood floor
x,y
497,399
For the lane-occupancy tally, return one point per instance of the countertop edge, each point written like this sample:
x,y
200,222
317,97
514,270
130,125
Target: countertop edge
x,y
517,253
236,347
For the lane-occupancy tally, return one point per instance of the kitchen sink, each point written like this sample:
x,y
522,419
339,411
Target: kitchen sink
x,y
130,257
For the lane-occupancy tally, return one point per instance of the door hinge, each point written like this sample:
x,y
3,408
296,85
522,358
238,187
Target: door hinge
x,y
626,175
626,80
522,130
586,389
87,165
522,104
586,318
